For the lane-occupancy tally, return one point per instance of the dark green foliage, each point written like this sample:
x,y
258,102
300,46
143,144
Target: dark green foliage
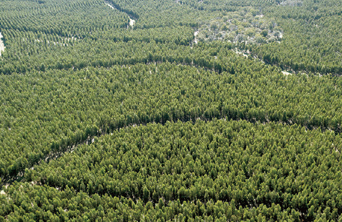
x,y
102,121
63,108
221,169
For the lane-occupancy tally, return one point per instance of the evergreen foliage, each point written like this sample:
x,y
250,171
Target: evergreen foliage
x,y
102,119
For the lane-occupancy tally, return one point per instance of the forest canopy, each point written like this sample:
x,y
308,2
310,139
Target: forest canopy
x,y
169,110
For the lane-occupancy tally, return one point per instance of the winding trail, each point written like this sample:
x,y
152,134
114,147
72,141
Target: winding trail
x,y
106,129
131,18
196,34
55,155
8,181
108,4
2,45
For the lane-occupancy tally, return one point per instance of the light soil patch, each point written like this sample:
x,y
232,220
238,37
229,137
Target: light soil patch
x,y
291,3
131,22
286,73
242,53
247,25
196,34
110,6
63,43
3,192
2,46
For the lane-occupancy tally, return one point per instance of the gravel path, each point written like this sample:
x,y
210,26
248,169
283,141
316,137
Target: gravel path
x,y
2,46
131,21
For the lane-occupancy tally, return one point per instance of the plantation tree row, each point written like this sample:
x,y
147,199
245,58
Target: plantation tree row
x,y
44,35
216,171
101,120
44,112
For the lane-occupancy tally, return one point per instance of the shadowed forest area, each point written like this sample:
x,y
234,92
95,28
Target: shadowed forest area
x,y
170,110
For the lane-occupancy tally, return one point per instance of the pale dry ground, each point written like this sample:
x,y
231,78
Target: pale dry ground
x,y
195,34
286,73
131,22
110,6
241,53
2,46
3,192
57,43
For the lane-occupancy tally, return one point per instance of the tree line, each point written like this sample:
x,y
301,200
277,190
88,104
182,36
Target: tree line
x,y
216,171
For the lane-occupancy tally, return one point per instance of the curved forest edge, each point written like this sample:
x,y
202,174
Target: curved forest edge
x,y
245,51
188,61
259,52
96,132
218,111
161,121
132,15
198,163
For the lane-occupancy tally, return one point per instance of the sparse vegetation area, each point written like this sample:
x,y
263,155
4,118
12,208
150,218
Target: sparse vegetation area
x,y
292,3
247,26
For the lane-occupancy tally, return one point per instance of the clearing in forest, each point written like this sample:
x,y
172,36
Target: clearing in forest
x,y
292,3
248,25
